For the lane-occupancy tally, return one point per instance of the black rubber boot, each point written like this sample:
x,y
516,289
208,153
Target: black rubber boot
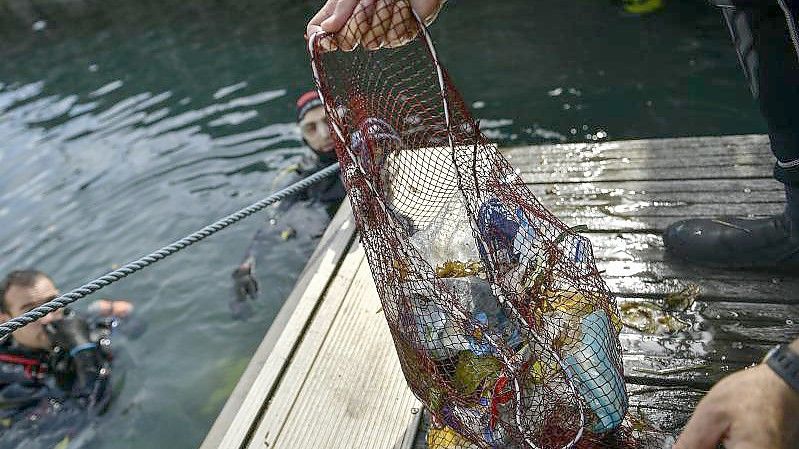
x,y
766,38
745,243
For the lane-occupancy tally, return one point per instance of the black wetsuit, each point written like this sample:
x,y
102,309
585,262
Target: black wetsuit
x,y
766,37
41,402
327,194
298,221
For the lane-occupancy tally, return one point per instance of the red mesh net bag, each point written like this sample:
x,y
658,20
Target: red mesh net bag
x,y
503,327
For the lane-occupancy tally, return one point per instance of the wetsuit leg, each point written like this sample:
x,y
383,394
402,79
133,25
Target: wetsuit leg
x,y
766,38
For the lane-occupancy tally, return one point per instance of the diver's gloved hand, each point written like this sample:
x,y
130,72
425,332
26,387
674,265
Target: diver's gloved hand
x,y
244,282
72,334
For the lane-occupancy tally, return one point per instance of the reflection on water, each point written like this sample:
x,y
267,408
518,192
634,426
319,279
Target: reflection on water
x,y
124,125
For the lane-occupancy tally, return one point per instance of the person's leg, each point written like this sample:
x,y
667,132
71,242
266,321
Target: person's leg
x,y
766,38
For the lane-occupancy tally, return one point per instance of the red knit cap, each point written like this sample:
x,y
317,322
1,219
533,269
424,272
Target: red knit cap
x,y
306,102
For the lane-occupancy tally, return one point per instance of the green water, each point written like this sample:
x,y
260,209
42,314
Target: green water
x,y
125,125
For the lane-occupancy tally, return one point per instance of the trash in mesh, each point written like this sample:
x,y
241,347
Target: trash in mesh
x,y
503,327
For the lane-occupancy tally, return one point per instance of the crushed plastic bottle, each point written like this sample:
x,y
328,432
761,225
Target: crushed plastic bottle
x,y
436,329
448,237
476,296
498,232
448,245
587,337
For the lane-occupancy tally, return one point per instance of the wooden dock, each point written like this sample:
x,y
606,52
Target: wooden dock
x,y
327,376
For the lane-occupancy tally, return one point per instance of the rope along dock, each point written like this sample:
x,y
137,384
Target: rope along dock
x,y
109,278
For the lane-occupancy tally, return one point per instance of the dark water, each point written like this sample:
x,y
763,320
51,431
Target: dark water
x,y
125,125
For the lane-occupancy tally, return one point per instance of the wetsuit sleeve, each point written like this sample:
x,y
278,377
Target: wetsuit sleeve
x,y
92,386
16,396
130,326
83,366
287,176
274,229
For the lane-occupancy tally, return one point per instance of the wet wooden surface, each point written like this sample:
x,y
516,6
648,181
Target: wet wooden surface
x,y
627,193
332,383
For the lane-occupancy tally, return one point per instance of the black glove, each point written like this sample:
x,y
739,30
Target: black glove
x,y
72,334
244,282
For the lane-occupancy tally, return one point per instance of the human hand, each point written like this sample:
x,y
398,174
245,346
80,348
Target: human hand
x,y
244,282
372,23
118,308
750,409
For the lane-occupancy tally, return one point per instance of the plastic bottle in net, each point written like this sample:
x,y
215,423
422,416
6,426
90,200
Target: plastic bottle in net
x,y
503,327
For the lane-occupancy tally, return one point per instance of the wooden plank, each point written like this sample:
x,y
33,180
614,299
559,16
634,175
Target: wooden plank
x,y
704,314
279,405
637,264
633,343
654,209
619,224
232,426
665,409
619,197
354,394
611,223
657,272
575,174
653,205
736,290
608,193
541,166
726,190
654,217
645,148
656,159
698,372
774,313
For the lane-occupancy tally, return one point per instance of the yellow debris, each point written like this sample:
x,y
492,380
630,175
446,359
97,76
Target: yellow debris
x,y
288,233
458,269
447,438
575,303
642,6
472,371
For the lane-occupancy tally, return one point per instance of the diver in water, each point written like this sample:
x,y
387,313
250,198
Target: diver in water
x,y
54,372
301,218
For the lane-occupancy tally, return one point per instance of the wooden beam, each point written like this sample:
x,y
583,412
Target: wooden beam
x,y
242,409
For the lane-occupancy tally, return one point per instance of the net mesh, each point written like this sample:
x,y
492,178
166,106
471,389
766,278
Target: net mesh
x,y
503,327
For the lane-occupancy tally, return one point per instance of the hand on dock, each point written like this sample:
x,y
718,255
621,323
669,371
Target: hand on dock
x,y
750,409
371,23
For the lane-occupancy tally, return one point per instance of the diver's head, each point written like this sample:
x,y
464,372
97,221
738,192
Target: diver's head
x,y
22,291
313,125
